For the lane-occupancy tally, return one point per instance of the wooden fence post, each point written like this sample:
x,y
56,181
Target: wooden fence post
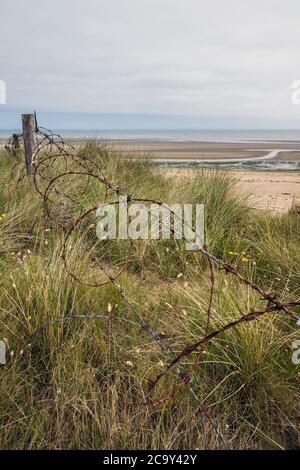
x,y
29,137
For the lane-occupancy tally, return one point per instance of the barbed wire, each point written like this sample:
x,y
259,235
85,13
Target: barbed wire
x,y
55,161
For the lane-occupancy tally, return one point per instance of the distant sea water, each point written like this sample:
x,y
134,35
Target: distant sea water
x,y
192,135
177,135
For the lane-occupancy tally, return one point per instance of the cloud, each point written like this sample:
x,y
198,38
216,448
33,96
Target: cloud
x,y
188,57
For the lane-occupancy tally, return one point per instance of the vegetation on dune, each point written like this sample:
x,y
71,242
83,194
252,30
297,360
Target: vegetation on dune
x,y
83,383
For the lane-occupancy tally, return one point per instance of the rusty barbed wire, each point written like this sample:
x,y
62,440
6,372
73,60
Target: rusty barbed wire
x,y
55,161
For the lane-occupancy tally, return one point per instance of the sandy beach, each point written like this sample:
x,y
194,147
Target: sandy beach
x,y
276,192
196,150
208,150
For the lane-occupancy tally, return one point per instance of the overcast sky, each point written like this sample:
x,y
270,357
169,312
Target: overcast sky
x,y
214,58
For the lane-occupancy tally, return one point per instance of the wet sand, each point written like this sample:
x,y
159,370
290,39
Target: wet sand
x,y
192,150
207,150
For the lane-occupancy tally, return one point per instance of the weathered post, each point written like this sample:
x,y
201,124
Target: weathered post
x,y
29,137
15,145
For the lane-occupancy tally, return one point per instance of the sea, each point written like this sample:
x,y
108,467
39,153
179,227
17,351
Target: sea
x,y
263,136
178,135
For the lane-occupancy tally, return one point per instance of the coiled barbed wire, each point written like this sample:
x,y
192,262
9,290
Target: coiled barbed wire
x,y
55,161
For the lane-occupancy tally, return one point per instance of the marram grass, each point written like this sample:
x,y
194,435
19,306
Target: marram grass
x,y
83,384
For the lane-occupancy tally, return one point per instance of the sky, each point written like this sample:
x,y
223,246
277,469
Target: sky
x,y
199,62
